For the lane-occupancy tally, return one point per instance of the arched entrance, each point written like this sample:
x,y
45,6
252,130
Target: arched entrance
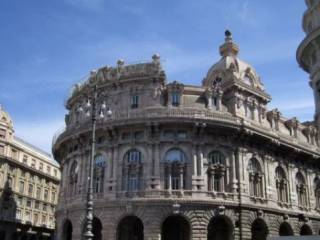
x,y
96,229
305,230
285,229
130,228
175,228
220,228
67,230
259,230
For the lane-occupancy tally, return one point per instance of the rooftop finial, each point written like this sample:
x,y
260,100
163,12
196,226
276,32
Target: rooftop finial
x,y
229,48
228,34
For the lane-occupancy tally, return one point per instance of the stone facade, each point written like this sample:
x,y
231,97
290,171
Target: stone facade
x,y
308,53
175,161
29,186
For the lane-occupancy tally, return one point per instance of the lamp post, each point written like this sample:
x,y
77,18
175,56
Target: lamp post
x,y
89,204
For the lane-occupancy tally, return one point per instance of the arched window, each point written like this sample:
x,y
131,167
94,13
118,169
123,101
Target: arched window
x,y
175,169
216,172
255,178
317,191
175,227
220,228
305,230
67,230
130,228
73,178
301,190
132,170
285,229
259,230
96,229
98,174
281,185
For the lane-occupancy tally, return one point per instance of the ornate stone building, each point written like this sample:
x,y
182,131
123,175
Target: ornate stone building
x,y
175,161
29,186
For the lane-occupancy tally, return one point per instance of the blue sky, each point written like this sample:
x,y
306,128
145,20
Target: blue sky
x,y
47,46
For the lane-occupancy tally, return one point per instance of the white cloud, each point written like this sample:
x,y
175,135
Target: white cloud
x,y
38,133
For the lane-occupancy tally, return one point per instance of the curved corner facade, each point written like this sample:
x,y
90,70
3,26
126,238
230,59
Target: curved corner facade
x,y
175,161
308,53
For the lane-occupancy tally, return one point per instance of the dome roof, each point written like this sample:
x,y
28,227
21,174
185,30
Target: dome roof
x,y
5,118
230,62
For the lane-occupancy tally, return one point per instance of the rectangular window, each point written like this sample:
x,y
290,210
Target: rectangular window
x,y
2,133
53,197
35,218
29,203
20,201
23,173
133,184
33,163
30,190
36,205
41,166
175,183
1,149
21,187
28,217
44,207
134,156
44,219
134,101
38,193
55,172
175,99
25,159
45,197
48,169
14,154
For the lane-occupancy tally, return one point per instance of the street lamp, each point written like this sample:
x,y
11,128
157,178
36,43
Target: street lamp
x,y
89,210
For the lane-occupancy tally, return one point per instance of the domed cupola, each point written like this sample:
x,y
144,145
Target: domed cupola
x,y
230,66
238,82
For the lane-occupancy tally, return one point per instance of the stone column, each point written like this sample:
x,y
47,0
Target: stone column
x,y
292,192
157,165
181,170
222,182
219,100
169,177
234,183
116,163
149,166
309,187
200,161
195,160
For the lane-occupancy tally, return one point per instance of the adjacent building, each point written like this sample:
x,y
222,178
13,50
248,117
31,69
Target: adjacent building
x,y
29,187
